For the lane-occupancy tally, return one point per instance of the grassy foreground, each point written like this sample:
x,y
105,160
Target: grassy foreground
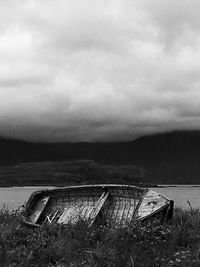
x,y
176,243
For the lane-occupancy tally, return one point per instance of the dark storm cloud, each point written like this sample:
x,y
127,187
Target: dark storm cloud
x,y
98,70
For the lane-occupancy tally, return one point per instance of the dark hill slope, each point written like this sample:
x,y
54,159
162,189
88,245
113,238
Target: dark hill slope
x,y
64,173
168,158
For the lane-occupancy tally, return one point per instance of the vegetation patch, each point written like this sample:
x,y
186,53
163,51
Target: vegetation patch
x,y
175,243
63,173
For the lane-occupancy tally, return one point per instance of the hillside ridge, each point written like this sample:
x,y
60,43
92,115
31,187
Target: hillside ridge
x,y
167,158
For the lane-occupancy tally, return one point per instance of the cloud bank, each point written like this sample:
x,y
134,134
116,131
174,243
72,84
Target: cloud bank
x,y
98,70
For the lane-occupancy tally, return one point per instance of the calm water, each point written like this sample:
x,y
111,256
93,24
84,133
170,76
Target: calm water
x,y
14,197
182,194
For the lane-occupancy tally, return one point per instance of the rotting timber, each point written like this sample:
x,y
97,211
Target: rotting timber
x,y
108,203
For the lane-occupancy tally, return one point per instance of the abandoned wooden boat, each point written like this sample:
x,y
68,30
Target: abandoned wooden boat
x,y
110,204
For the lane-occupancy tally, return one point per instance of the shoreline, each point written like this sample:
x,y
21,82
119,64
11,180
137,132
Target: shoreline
x,y
65,185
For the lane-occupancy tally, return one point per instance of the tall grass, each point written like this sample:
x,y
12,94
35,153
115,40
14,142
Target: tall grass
x,y
175,243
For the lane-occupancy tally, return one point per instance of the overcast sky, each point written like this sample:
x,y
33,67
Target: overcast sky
x,y
98,70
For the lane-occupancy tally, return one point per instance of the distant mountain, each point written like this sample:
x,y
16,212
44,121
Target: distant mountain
x,y
167,158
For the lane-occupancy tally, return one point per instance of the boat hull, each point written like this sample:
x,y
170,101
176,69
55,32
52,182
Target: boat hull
x,y
108,204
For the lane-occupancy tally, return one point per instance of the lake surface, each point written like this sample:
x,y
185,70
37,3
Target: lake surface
x,y
182,194
14,197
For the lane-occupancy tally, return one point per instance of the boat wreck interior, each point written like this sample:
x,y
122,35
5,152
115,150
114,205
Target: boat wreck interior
x,y
108,204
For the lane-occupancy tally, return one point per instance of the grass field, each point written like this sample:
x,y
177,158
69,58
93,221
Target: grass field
x,y
175,243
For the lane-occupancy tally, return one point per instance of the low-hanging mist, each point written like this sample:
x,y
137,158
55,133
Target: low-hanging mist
x,y
98,70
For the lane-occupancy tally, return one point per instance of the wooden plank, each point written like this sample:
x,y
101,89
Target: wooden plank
x,y
125,212
116,210
73,214
151,203
38,209
51,217
86,212
130,211
135,214
98,207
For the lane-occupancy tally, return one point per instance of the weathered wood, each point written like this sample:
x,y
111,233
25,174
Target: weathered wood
x,y
88,212
73,214
117,204
151,203
51,217
38,209
98,207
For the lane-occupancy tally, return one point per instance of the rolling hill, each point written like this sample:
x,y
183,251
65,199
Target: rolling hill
x,y
167,158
